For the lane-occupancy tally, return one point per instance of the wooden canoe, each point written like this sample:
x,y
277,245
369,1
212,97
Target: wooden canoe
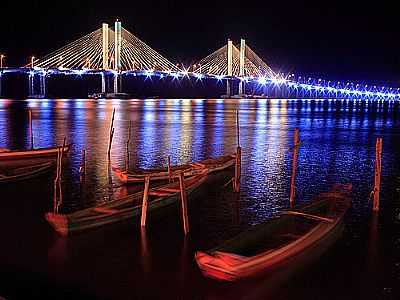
x,y
11,175
50,152
122,209
266,247
212,164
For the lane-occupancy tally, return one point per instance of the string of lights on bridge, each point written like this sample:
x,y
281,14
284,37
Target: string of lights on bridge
x,y
307,87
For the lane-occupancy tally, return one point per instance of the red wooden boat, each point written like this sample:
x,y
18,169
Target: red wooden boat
x,y
50,152
212,164
123,208
268,246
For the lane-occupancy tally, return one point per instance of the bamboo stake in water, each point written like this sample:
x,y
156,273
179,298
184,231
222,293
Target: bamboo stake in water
x,y
57,181
62,157
30,127
128,141
238,167
237,129
294,166
238,164
55,206
82,169
111,134
169,169
377,177
144,202
183,203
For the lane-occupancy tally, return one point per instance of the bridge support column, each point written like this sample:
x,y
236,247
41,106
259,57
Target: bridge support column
x,y
241,66
228,82
42,84
31,84
105,46
103,83
116,75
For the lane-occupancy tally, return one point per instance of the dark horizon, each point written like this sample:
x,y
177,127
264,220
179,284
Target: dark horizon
x,y
338,41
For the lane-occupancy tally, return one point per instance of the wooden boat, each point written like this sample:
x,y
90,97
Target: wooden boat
x,y
122,209
11,175
212,164
268,246
50,152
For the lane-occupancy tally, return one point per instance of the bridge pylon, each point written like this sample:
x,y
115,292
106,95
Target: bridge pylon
x,y
229,70
105,45
117,53
241,66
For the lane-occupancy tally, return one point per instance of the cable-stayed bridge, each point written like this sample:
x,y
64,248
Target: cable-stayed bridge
x,y
115,52
105,49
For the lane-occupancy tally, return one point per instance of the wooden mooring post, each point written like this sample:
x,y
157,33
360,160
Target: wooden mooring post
x,y
61,158
30,127
169,169
238,164
377,177
55,198
183,203
144,202
57,181
294,166
128,141
82,168
111,135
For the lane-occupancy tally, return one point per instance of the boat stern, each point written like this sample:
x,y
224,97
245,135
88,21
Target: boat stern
x,y
59,222
122,176
216,267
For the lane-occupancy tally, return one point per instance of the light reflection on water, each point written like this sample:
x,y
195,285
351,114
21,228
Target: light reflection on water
x,y
338,140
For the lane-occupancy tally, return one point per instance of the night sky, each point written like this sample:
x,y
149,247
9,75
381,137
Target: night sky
x,y
328,39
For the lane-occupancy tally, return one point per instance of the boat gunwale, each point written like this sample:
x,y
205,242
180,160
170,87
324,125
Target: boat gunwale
x,y
37,170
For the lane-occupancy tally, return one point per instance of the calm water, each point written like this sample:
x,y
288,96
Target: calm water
x,y
125,262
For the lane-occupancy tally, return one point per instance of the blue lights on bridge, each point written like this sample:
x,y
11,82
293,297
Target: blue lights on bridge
x,y
308,87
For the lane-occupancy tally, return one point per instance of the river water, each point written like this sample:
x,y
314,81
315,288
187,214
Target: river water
x,y
124,262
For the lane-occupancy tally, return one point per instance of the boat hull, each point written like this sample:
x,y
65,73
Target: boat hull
x,y
107,214
228,266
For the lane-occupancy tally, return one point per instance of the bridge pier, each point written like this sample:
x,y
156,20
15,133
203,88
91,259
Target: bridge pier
x,y
115,83
31,84
35,79
42,83
103,83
